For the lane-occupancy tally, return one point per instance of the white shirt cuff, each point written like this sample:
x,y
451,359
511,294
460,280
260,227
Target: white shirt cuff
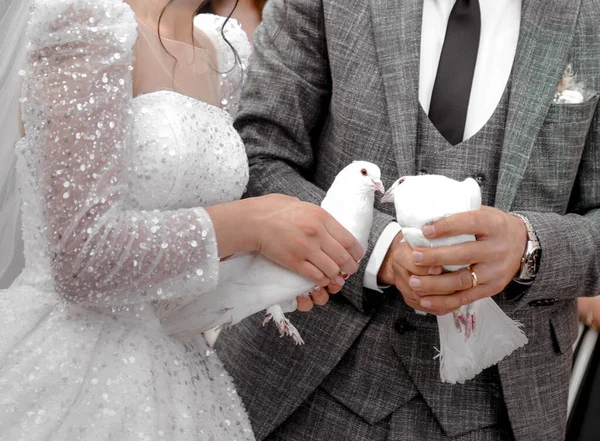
x,y
381,248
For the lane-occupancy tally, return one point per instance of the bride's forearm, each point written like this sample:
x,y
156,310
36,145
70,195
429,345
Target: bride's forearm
x,y
234,226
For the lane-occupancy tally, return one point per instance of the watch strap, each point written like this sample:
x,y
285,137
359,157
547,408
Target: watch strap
x,y
532,243
531,236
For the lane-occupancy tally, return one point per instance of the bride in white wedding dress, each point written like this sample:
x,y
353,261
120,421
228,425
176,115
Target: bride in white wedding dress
x,y
118,159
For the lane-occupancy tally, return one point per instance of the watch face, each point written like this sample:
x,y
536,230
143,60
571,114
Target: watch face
x,y
533,261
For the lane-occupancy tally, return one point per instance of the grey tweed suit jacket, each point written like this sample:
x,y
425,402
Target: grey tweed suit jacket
x,y
333,81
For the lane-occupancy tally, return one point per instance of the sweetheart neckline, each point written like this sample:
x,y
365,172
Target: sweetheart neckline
x,y
181,95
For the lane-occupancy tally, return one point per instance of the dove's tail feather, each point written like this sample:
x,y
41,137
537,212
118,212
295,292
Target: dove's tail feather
x,y
457,361
499,337
285,327
494,337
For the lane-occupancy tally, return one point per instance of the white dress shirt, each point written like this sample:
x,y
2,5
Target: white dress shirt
x,y
500,24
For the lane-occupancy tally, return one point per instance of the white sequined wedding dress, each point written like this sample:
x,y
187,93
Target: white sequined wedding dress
x,y
115,239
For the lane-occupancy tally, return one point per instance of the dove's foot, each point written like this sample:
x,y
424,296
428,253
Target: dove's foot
x,y
283,324
287,329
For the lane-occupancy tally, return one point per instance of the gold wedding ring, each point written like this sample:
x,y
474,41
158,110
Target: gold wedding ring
x,y
475,279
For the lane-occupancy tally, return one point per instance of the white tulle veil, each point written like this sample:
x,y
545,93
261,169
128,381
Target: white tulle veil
x,y
13,22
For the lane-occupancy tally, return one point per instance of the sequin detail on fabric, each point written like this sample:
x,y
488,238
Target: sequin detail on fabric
x,y
115,238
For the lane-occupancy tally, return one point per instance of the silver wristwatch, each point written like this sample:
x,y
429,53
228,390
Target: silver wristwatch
x,y
530,262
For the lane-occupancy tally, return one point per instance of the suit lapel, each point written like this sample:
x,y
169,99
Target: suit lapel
x,y
547,29
397,31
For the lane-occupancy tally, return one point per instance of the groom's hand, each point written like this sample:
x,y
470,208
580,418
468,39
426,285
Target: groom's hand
x,y
495,258
398,268
319,296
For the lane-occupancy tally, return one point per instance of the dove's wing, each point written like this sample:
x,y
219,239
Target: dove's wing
x,y
235,265
242,294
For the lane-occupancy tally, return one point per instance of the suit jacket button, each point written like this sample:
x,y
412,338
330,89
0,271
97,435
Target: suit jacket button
x,y
479,178
403,326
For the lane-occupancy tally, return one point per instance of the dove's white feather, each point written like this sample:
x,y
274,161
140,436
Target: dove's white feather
x,y
251,283
496,337
262,284
422,199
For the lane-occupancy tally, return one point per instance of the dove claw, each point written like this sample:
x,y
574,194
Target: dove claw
x,y
267,319
284,326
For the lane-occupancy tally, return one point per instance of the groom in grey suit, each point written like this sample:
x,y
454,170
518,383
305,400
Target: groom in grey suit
x,y
431,87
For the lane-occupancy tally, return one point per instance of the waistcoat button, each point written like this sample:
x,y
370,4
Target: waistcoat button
x,y
403,326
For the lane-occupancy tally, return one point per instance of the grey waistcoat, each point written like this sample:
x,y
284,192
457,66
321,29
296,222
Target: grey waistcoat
x,y
393,360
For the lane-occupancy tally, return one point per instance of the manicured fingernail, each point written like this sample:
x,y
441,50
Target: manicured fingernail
x,y
425,303
339,281
417,256
414,282
435,271
345,276
428,230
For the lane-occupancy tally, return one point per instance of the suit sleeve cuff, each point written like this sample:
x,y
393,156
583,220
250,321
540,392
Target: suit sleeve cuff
x,y
379,252
570,262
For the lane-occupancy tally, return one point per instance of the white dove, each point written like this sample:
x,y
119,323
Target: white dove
x,y
478,335
251,283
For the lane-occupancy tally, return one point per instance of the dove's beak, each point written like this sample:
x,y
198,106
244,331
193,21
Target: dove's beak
x,y
388,196
379,185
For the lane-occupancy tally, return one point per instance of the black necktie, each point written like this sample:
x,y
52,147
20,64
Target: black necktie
x,y
452,88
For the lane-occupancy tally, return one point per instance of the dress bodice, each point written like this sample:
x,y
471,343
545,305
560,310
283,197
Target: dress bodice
x,y
183,153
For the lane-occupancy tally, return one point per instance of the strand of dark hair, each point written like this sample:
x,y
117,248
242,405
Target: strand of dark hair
x,y
236,57
202,7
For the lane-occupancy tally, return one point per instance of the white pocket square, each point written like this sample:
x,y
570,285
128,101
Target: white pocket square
x,y
569,90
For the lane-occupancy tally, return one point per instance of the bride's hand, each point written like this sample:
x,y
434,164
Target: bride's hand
x,y
297,235
306,239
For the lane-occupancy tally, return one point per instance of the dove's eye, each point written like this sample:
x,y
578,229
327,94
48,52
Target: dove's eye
x,y
400,181
364,172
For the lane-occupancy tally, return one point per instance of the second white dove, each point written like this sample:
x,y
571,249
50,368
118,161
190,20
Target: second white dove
x,y
478,335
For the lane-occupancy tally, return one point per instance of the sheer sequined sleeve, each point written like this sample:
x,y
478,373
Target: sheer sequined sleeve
x,y
77,92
